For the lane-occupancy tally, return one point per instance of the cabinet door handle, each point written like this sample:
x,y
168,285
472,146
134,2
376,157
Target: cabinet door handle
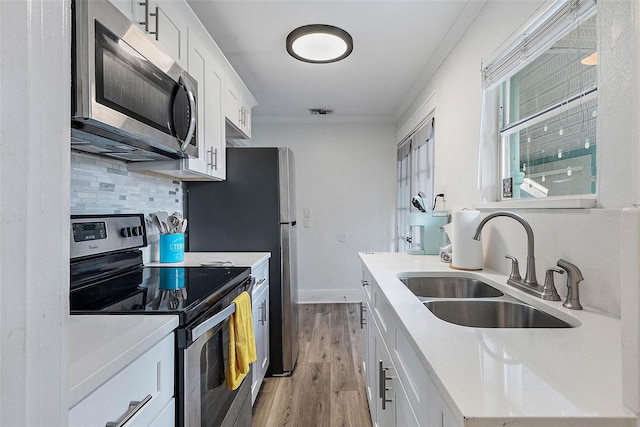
x,y
364,282
134,408
261,281
380,376
263,312
363,321
213,158
146,15
383,385
157,31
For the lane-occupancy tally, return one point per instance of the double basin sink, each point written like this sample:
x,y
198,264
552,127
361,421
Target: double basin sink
x,y
473,303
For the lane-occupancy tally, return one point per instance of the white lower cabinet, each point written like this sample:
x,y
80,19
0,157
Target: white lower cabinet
x,y
400,392
141,394
260,313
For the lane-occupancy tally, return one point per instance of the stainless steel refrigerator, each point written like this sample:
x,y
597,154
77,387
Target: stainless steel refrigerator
x,y
254,210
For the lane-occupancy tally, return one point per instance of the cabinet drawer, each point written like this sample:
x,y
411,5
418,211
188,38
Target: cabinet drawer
x,y
151,374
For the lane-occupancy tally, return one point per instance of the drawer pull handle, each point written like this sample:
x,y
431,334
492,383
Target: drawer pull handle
x,y
134,408
261,281
383,389
363,321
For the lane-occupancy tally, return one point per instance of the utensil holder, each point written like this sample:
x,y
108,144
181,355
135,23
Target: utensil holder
x,y
172,247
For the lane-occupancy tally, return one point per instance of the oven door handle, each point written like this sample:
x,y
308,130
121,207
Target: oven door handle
x,y
212,322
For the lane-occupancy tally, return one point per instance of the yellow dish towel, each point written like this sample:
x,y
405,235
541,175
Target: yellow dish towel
x,y
242,344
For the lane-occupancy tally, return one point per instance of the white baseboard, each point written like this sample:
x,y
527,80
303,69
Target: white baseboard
x,y
329,296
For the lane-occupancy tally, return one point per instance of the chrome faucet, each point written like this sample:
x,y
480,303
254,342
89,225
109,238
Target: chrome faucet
x,y
574,276
530,282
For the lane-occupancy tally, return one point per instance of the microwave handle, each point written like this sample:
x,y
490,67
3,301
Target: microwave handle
x,y
192,120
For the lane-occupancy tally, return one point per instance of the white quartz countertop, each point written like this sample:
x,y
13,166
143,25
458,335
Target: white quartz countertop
x,y
493,376
101,345
237,259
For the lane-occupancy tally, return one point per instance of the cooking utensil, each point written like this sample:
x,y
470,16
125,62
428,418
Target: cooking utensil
x,y
163,218
174,223
157,223
184,226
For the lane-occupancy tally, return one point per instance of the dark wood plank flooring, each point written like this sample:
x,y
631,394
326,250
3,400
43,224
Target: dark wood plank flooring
x,y
326,388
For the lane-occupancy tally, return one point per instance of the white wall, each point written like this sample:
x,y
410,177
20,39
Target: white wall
x,y
346,177
34,215
603,242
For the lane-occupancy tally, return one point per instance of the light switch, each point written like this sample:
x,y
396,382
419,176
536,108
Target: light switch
x,y
306,217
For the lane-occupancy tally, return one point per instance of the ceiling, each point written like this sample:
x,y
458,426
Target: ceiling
x,y
398,45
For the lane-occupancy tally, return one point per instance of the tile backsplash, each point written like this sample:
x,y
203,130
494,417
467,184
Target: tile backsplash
x,y
104,186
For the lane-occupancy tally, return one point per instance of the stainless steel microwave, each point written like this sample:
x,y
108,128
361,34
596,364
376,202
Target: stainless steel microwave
x,y
130,99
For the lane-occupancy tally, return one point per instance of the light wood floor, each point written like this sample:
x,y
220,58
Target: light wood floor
x,y
326,388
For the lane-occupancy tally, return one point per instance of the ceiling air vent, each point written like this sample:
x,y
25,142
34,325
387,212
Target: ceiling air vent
x,y
321,111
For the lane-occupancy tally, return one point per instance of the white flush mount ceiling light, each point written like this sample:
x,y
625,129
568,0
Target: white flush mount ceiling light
x,y
319,44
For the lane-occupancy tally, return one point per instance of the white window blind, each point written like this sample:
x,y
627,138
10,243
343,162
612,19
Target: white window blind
x,y
552,25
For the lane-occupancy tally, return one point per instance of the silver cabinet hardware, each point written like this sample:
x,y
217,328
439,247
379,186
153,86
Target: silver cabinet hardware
x,y
364,282
261,318
134,408
263,312
146,15
213,162
383,385
261,281
363,321
145,23
157,31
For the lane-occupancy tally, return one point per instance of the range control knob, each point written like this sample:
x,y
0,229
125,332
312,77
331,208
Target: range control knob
x,y
134,231
125,232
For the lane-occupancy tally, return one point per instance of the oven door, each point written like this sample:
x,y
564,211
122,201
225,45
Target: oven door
x,y
207,400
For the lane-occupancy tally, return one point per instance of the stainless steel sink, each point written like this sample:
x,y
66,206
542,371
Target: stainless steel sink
x,y
493,314
449,287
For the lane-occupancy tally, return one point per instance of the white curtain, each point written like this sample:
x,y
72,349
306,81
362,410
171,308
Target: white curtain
x,y
489,147
415,173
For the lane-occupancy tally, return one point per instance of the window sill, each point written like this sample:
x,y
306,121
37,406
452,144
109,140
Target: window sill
x,y
560,202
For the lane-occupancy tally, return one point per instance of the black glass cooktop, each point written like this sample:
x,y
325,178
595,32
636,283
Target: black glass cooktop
x,y
186,291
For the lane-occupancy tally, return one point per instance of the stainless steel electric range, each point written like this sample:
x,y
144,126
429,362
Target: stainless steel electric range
x,y
108,277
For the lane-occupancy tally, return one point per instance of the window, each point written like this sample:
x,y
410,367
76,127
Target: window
x,y
415,173
548,105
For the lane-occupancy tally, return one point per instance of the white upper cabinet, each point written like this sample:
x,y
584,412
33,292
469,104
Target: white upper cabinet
x,y
127,7
222,96
166,22
238,105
